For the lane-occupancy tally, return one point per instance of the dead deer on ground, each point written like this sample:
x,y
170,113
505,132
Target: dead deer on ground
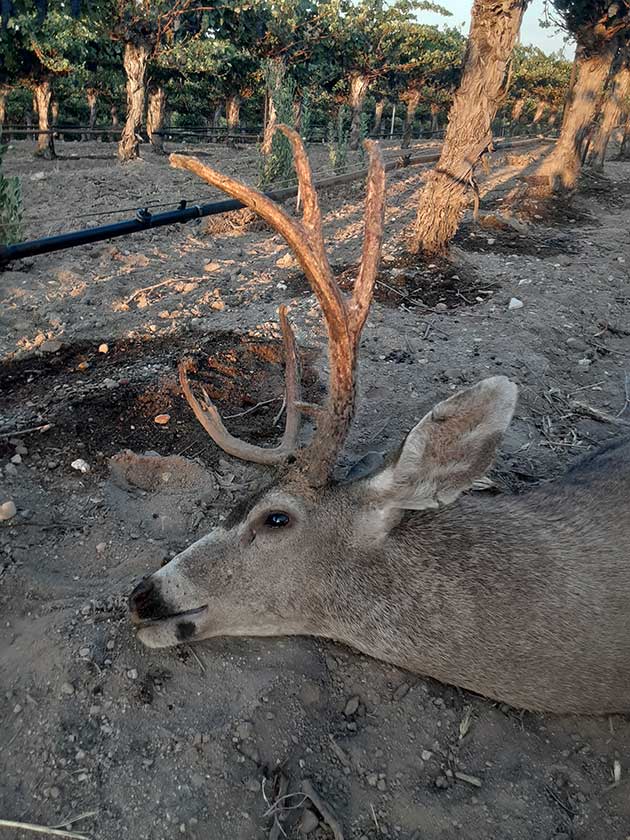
x,y
525,599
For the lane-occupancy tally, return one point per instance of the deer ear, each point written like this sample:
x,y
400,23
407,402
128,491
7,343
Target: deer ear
x,y
451,447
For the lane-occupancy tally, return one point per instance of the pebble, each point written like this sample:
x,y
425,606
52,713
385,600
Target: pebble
x,y
381,785
132,674
352,706
17,459
309,822
162,419
441,307
103,348
110,383
245,730
67,689
372,779
20,449
84,652
7,510
100,547
585,363
441,782
425,755
515,303
111,644
53,345
10,469
401,691
80,465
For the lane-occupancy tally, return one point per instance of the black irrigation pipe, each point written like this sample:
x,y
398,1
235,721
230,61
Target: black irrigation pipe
x,y
145,220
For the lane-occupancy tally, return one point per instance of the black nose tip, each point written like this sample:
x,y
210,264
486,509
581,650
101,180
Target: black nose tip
x,y
145,599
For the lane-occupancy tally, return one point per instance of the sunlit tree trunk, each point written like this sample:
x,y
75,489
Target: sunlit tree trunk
x,y
156,111
359,86
616,99
562,167
540,110
378,116
135,58
4,92
553,118
42,92
233,112
275,78
494,28
91,97
517,109
411,100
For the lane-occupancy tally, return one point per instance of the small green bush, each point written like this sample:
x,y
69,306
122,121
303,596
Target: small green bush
x,y
10,207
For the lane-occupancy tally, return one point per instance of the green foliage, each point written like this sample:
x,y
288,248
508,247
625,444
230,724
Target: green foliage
x,y
277,166
10,206
338,138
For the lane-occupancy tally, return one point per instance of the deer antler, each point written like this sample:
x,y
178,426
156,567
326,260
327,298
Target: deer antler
x,y
344,318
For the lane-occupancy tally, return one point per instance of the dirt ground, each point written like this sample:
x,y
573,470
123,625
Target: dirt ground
x,y
114,740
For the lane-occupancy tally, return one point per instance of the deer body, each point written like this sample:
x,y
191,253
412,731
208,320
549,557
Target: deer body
x,y
525,599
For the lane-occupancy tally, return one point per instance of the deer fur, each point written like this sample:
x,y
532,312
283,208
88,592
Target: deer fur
x,y
524,599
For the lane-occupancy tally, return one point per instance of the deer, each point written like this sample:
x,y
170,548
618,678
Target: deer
x,y
522,598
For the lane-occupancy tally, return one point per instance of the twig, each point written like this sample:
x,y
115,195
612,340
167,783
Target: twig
x,y
253,408
43,428
42,829
557,799
198,658
598,414
626,385
150,288
466,777
325,811
78,818
378,828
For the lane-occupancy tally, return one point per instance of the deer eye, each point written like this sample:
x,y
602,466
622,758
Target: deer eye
x,y
277,519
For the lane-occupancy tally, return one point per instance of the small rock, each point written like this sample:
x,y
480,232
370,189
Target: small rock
x,y
17,709
111,644
20,449
38,176
103,348
245,730
441,782
425,755
80,465
286,261
515,303
52,345
372,779
381,785
309,822
84,652
577,343
162,419
352,706
7,510
401,691
211,267
110,383
67,689
83,366
17,459
132,674
440,307
218,305
54,792
100,547
585,363
10,469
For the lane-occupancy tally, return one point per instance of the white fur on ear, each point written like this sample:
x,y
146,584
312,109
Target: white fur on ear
x,y
451,447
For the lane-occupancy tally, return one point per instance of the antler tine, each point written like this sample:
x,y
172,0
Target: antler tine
x,y
209,417
372,240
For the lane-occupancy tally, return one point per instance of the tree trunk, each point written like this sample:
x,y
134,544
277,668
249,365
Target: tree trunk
x,y
4,92
412,100
358,91
493,31
156,110
378,116
618,92
90,96
233,113
624,149
553,117
45,144
275,77
540,110
135,63
517,109
216,116
561,168
435,125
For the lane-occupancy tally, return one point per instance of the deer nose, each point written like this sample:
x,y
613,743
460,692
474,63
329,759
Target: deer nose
x,y
145,600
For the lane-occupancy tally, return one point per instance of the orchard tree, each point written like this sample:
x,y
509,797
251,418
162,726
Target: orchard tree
x,y
40,41
616,103
539,83
494,28
598,28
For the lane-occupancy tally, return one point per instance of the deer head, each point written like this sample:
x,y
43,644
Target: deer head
x,y
282,562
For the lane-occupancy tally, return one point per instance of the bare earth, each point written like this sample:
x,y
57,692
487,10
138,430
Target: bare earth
x,y
202,740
